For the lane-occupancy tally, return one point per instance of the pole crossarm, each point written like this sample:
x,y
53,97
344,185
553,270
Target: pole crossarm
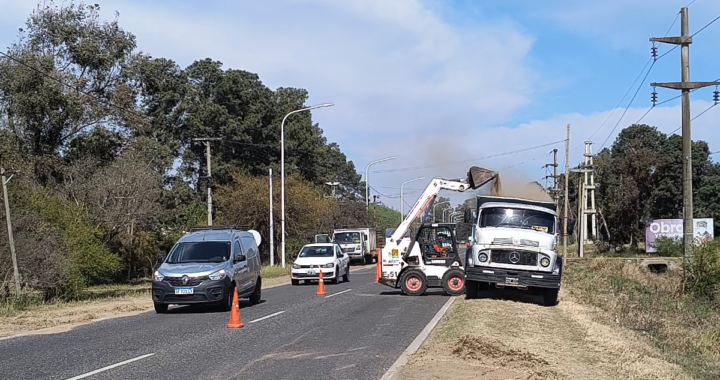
x,y
684,85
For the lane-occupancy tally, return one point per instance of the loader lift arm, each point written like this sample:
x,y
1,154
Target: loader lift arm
x,y
476,178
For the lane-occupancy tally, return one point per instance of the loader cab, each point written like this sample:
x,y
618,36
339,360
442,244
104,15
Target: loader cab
x,y
437,244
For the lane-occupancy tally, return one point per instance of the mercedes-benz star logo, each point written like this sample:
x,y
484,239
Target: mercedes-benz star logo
x,y
185,280
514,257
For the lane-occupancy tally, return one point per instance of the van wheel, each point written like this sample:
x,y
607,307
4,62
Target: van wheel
x,y
413,282
295,282
257,293
160,308
227,305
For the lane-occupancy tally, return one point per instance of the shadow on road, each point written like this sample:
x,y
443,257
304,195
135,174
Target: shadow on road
x,y
429,292
205,309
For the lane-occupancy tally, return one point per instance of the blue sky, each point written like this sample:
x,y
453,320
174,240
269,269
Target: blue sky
x,y
436,82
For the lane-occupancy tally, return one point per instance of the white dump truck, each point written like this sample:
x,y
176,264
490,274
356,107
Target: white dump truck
x,y
359,243
513,244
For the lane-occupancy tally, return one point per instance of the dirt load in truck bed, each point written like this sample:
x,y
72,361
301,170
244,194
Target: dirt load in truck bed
x,y
495,339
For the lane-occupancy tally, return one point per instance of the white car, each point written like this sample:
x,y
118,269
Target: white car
x,y
326,257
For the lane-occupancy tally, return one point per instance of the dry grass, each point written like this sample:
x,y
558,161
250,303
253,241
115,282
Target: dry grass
x,y
685,329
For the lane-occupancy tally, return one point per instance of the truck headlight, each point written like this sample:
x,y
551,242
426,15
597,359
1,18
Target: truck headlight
x,y
158,276
329,265
219,275
545,262
295,266
483,257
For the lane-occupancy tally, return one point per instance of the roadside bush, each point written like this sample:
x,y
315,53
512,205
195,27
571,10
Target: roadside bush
x,y
703,271
668,247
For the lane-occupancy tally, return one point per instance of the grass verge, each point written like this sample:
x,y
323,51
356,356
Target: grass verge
x,y
685,329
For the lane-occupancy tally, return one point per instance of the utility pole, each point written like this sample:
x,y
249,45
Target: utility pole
x,y
567,200
11,241
685,86
555,192
207,140
272,243
589,187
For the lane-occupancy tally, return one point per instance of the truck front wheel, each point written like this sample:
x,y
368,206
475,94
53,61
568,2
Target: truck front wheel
x,y
550,297
368,259
472,289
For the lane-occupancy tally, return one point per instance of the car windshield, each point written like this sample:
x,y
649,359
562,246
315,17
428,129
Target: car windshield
x,y
317,251
200,252
517,218
347,237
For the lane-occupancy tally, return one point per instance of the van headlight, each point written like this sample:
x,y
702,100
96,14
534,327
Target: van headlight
x,y
296,266
219,275
483,257
158,276
545,262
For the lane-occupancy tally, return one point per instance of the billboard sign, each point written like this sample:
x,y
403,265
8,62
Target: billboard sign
x,y
673,228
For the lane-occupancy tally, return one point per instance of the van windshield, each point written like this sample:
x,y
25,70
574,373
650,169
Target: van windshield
x,y
517,218
200,252
347,237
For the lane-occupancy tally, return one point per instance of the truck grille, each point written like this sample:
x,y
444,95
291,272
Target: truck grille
x,y
523,257
508,241
346,250
192,281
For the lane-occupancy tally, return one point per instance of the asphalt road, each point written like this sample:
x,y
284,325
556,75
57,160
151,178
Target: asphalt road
x,y
355,332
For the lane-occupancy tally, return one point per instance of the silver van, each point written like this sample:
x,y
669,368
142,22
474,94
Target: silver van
x,y
206,265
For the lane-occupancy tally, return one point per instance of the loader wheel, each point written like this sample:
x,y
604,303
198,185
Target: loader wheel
x,y
414,282
454,282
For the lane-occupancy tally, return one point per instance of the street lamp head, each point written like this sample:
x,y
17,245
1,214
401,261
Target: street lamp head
x,y
322,105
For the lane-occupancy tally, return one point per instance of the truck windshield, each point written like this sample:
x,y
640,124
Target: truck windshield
x,y
347,237
200,252
517,218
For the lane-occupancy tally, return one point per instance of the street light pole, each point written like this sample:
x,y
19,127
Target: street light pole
x,y
435,213
367,181
282,173
11,241
402,202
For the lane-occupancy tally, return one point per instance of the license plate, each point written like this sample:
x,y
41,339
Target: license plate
x,y
511,280
311,271
183,290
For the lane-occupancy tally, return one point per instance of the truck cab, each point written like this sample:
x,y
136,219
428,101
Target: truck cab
x,y
514,244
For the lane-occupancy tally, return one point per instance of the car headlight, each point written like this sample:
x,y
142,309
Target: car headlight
x,y
158,276
329,265
219,275
483,257
296,266
545,262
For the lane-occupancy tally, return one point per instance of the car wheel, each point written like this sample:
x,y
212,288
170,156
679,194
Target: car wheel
x,y
336,279
295,282
161,308
256,296
346,276
227,305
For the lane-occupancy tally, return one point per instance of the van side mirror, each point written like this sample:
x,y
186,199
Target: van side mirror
x,y
240,258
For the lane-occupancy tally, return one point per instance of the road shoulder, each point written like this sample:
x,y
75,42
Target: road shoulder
x,y
504,339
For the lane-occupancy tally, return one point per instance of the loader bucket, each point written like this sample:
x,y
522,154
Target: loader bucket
x,y
478,176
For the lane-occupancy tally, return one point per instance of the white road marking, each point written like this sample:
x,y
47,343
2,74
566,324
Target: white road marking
x,y
110,367
334,294
266,317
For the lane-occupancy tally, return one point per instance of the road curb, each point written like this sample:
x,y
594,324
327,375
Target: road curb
x,y
419,340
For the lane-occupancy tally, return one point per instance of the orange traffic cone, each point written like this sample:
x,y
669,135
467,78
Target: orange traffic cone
x,y
378,267
321,286
235,322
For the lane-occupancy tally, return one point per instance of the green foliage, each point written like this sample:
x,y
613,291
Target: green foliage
x,y
704,271
384,217
668,247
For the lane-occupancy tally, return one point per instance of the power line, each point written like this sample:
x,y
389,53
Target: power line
x,y
402,169
706,25
626,108
697,116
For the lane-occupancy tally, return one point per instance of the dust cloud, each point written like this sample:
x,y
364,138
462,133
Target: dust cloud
x,y
513,184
